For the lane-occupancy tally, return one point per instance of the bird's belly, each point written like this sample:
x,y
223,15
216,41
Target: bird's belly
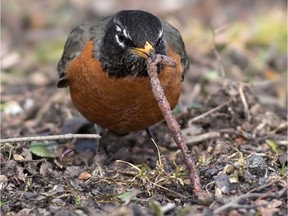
x,y
120,104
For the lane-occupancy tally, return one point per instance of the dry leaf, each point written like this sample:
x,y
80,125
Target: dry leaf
x,y
268,208
3,181
18,157
84,176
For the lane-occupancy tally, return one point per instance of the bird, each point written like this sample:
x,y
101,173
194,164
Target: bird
x,y
104,65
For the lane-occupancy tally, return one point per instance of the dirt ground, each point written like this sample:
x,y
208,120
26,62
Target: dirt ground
x,y
232,113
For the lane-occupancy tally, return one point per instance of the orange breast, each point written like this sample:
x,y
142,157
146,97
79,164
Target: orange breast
x,y
119,104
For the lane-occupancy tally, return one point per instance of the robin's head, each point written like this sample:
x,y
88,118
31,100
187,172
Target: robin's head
x,y
129,39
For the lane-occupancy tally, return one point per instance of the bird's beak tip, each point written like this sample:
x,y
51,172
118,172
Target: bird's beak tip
x,y
152,55
146,52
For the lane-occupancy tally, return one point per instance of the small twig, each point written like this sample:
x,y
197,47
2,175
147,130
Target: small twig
x,y
227,131
262,83
201,137
158,152
31,161
51,137
167,189
244,134
244,101
233,202
259,127
130,164
216,53
282,126
266,185
282,142
204,115
209,186
170,119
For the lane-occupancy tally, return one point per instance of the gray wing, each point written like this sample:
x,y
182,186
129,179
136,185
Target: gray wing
x,y
174,40
76,42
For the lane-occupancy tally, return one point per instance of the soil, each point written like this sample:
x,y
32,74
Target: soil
x,y
232,113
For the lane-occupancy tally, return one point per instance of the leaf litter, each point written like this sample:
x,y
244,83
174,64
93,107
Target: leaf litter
x,y
237,132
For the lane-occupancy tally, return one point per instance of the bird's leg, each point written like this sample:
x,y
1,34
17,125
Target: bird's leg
x,y
98,130
150,133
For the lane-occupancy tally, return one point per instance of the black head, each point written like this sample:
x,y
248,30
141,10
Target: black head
x,y
130,38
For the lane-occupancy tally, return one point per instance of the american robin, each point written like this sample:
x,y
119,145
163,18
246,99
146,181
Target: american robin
x,y
104,64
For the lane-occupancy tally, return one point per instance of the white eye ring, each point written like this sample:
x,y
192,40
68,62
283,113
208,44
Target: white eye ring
x,y
118,28
121,43
160,33
126,34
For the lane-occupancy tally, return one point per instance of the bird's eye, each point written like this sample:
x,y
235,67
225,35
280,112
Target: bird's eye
x,y
121,38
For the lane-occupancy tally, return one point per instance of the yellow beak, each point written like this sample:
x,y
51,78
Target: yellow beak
x,y
145,52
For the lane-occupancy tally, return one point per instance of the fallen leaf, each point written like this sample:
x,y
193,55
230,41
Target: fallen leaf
x,y
268,208
3,181
222,182
84,176
18,157
26,153
41,149
43,168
